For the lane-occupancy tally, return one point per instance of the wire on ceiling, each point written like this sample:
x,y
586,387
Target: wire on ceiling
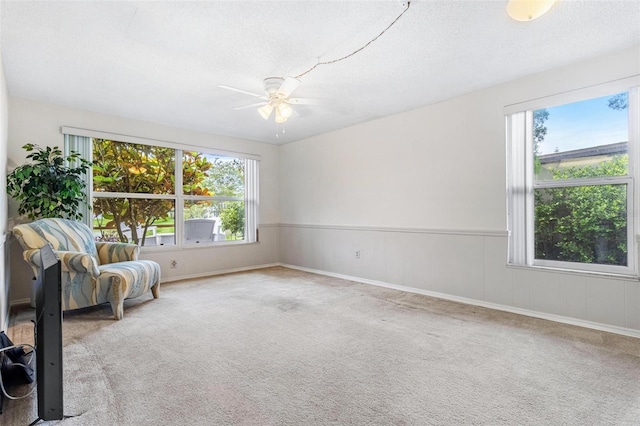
x,y
355,51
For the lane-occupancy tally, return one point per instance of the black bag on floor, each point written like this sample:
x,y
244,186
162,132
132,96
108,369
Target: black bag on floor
x,y
13,361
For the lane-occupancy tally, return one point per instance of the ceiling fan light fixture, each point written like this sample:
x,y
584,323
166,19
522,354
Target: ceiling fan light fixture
x,y
279,117
266,110
284,109
528,10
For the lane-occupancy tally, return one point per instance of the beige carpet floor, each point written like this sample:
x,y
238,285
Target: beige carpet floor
x,y
283,347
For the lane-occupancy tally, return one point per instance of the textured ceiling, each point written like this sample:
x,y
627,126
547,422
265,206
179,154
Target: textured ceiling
x,y
163,61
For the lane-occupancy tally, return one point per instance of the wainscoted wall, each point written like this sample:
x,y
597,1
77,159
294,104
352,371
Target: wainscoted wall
x,y
211,260
422,196
467,266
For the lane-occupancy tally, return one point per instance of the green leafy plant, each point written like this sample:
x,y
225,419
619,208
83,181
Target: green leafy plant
x,y
50,185
232,217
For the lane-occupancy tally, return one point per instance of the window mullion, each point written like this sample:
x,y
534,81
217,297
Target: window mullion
x,y
179,206
608,180
214,198
143,195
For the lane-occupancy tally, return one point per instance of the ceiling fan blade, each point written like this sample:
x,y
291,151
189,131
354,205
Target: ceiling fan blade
x,y
257,104
243,91
306,101
288,86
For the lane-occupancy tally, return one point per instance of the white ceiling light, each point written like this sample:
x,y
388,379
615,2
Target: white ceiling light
x,y
283,112
279,118
528,10
285,109
265,110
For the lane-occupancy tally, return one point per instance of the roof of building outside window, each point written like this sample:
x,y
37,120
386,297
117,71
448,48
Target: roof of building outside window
x,y
609,149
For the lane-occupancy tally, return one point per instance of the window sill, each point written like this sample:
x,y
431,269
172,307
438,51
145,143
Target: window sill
x,y
594,274
197,246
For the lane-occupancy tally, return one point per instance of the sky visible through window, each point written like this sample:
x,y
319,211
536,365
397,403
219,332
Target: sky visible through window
x,y
584,124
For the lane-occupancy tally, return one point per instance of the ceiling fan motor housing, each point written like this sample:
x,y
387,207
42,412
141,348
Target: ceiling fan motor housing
x,y
272,84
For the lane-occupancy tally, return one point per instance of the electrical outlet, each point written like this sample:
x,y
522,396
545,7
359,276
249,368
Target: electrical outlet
x,y
174,264
357,254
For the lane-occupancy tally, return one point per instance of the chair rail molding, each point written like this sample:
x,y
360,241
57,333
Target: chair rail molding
x,y
469,232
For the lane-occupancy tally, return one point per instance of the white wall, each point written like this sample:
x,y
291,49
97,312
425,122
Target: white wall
x,y
4,267
422,196
40,123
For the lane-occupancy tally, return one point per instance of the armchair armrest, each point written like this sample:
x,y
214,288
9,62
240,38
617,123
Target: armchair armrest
x,y
116,252
32,257
70,261
73,261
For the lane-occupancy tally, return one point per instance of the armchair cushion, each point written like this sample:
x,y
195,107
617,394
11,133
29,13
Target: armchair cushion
x,y
92,273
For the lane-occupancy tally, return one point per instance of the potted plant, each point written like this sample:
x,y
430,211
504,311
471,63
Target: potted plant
x,y
51,185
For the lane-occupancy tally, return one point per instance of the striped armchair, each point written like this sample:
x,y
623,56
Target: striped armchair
x,y
92,272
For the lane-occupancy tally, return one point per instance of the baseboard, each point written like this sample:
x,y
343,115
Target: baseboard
x,y
520,311
220,272
19,302
12,304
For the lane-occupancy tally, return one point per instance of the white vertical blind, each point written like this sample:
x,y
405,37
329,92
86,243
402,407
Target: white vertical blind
x,y
634,171
251,184
517,188
82,145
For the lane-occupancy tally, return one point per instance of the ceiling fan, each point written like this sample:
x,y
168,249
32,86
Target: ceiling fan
x,y
277,89
276,98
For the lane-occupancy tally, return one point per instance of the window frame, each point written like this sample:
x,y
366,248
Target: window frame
x,y
181,198
251,190
521,180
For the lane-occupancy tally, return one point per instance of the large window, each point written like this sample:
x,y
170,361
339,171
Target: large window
x,y
572,184
155,195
